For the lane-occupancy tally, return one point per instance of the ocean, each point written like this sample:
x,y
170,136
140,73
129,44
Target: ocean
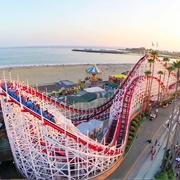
x,y
38,56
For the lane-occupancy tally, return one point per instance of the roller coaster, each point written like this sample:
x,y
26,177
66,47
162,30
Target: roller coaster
x,y
43,133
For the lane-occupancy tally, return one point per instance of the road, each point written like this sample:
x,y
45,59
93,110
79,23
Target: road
x,y
138,164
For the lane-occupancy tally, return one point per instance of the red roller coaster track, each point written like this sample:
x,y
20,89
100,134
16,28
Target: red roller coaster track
x,y
58,142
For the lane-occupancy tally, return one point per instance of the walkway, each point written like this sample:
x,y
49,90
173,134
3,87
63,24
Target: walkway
x,y
138,164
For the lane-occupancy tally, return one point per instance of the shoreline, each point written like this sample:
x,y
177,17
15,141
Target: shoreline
x,y
70,64
55,73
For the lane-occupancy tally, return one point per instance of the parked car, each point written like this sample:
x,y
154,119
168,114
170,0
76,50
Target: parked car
x,y
152,116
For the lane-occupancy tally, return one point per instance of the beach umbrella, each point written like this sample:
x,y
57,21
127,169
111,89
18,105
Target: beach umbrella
x,y
94,70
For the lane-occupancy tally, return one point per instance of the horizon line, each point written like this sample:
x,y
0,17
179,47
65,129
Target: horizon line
x,y
82,46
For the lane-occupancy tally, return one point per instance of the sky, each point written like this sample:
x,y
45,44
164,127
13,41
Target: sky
x,y
103,23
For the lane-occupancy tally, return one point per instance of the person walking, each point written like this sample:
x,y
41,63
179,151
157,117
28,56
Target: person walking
x,y
156,142
154,152
152,149
152,156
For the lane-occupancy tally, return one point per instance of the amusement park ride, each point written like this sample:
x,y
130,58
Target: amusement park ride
x,y
43,136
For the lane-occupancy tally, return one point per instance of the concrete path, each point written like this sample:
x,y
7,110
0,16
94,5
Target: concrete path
x,y
150,167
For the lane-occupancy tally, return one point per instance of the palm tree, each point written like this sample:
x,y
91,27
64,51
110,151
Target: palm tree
x,y
176,66
165,60
151,65
154,54
147,73
160,74
170,69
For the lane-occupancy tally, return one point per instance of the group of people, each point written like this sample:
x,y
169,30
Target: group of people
x,y
36,107
153,149
26,101
177,149
177,152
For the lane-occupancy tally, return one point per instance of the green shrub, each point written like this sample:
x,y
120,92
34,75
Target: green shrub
x,y
139,117
171,176
161,175
132,129
135,120
131,133
130,138
171,169
134,123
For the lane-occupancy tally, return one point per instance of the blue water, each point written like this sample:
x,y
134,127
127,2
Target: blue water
x,y
38,56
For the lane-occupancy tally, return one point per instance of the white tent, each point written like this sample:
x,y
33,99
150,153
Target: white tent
x,y
94,89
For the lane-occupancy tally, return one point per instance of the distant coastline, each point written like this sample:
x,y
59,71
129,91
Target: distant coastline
x,y
57,56
141,50
114,51
53,56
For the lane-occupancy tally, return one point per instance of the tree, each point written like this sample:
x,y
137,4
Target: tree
x,y
165,60
154,54
147,74
151,62
170,69
160,74
151,65
161,175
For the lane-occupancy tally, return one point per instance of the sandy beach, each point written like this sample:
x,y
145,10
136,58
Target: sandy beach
x,y
49,74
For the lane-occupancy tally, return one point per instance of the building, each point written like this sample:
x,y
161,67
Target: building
x,y
63,87
93,128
